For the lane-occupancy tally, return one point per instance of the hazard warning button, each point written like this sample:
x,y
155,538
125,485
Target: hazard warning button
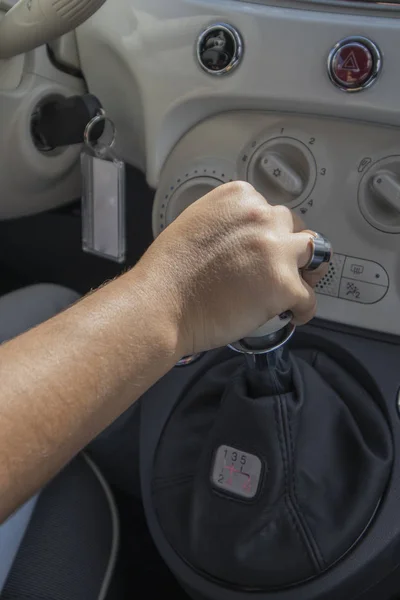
x,y
354,64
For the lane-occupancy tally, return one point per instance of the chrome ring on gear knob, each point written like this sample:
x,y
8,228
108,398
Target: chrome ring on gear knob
x,y
322,252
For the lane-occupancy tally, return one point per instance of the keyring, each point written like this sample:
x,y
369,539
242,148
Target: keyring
x,y
92,123
322,252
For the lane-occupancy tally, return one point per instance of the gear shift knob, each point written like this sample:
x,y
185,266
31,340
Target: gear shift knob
x,y
277,332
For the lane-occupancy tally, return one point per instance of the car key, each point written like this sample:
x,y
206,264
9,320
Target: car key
x,y
103,193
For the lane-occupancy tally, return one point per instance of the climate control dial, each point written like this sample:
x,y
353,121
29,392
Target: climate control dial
x,y
283,170
379,195
283,166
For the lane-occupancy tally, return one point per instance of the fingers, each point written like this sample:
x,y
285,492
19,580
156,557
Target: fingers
x,y
304,256
304,308
303,247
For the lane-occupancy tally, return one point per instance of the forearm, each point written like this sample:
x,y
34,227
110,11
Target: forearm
x,y
65,381
226,266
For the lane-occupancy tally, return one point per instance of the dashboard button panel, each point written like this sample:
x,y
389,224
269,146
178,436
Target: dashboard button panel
x,y
359,291
355,279
365,271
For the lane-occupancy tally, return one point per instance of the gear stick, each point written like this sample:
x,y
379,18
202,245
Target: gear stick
x,y
265,350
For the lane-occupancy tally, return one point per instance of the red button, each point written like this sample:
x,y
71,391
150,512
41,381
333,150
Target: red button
x,y
352,65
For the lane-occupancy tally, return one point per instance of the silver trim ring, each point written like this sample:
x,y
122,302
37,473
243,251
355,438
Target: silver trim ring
x,y
376,60
322,252
98,119
242,348
237,43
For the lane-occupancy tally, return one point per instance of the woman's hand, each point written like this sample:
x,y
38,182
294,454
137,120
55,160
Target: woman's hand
x,y
230,263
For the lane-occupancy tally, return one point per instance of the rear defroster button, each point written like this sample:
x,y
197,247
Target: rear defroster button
x,y
354,64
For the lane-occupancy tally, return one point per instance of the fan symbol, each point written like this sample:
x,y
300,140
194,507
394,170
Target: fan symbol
x,y
277,173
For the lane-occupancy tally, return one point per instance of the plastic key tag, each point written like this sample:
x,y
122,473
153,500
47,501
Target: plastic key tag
x,y
103,194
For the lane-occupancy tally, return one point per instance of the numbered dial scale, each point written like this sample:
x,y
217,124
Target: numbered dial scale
x,y
286,166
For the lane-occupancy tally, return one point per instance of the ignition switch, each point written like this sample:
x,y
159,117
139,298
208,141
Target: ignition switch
x,y
60,122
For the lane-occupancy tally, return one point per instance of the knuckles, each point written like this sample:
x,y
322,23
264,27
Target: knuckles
x,y
257,214
238,188
243,203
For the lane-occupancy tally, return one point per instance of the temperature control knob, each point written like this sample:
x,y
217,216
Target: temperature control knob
x,y
379,195
283,170
387,186
281,174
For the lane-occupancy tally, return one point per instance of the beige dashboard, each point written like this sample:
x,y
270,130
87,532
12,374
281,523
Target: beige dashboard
x,y
280,119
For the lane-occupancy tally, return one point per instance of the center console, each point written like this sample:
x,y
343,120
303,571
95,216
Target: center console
x,y
283,482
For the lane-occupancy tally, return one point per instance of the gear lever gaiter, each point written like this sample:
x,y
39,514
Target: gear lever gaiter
x,y
262,486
